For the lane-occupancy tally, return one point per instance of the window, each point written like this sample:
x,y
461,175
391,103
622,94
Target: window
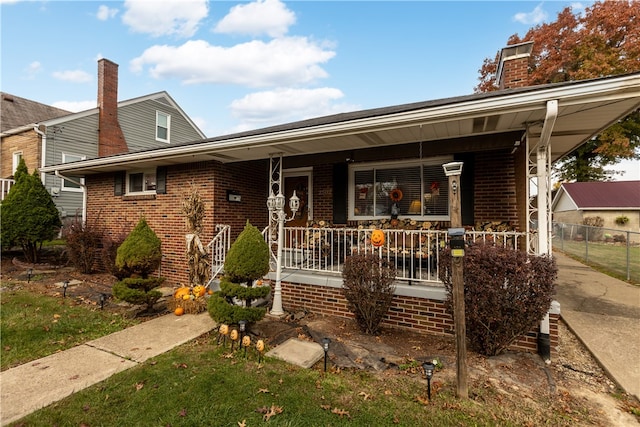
x,y
409,189
141,182
163,126
67,184
16,161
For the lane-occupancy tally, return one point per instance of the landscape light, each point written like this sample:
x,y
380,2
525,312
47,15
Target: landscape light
x,y
325,347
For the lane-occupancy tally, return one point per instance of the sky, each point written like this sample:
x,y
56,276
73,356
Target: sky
x,y
234,66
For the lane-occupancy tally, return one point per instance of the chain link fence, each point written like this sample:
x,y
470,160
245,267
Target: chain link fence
x,y
612,250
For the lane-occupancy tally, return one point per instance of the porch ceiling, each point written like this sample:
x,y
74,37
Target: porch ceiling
x,y
584,109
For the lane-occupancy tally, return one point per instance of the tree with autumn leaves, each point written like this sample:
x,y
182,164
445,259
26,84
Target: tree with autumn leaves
x,y
603,41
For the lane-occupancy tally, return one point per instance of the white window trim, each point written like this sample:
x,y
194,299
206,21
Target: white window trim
x,y
64,160
168,139
429,161
17,155
143,171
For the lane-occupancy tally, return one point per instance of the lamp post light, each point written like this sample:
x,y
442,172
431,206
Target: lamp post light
x,y
453,170
428,371
29,273
325,347
276,204
65,285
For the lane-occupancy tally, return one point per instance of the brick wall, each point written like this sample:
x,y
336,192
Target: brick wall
x,y
495,188
323,192
29,143
119,214
410,313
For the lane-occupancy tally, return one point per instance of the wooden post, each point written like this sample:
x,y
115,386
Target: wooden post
x,y
458,290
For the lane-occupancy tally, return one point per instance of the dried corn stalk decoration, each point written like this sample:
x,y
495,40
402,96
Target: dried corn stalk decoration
x,y
197,257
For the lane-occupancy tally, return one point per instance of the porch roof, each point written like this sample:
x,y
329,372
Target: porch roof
x,y
585,108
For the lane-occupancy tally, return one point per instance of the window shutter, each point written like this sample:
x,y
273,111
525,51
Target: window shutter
x,y
161,180
118,184
340,177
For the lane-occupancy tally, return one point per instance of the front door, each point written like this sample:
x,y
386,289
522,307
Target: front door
x,y
300,183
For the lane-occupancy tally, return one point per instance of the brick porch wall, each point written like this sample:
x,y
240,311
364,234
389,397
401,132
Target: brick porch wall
x,y
408,313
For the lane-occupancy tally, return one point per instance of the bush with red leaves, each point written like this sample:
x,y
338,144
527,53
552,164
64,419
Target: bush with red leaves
x,y
507,292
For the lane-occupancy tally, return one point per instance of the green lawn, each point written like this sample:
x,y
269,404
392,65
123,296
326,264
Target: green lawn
x,y
33,325
608,258
203,384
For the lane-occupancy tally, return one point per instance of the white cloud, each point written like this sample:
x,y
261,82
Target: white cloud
x,y
75,106
280,62
260,109
537,16
33,68
269,17
178,17
75,76
105,12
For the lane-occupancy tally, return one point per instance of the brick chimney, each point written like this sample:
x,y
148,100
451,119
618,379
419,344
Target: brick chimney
x,y
110,137
513,66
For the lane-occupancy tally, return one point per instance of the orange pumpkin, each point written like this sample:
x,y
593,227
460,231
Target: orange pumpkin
x,y
377,238
181,292
199,290
178,311
260,346
224,329
234,334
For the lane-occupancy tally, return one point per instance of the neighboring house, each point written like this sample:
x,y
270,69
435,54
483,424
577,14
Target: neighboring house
x,y
345,168
151,121
19,135
574,202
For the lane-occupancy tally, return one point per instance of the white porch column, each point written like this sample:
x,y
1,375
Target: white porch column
x,y
543,177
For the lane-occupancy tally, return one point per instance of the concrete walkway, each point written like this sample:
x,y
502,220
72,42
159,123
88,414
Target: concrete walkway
x,y
604,313
34,385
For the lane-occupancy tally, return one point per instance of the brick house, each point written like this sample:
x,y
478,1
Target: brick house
x,y
46,135
345,167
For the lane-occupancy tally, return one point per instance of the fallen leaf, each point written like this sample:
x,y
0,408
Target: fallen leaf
x,y
416,347
263,390
139,386
364,395
85,408
183,412
75,377
242,424
341,412
56,316
423,400
274,410
325,407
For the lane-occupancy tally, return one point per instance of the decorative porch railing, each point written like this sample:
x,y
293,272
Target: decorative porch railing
x,y
415,253
5,186
218,248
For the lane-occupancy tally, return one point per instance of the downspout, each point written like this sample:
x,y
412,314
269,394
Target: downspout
x,y
84,194
43,148
543,170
